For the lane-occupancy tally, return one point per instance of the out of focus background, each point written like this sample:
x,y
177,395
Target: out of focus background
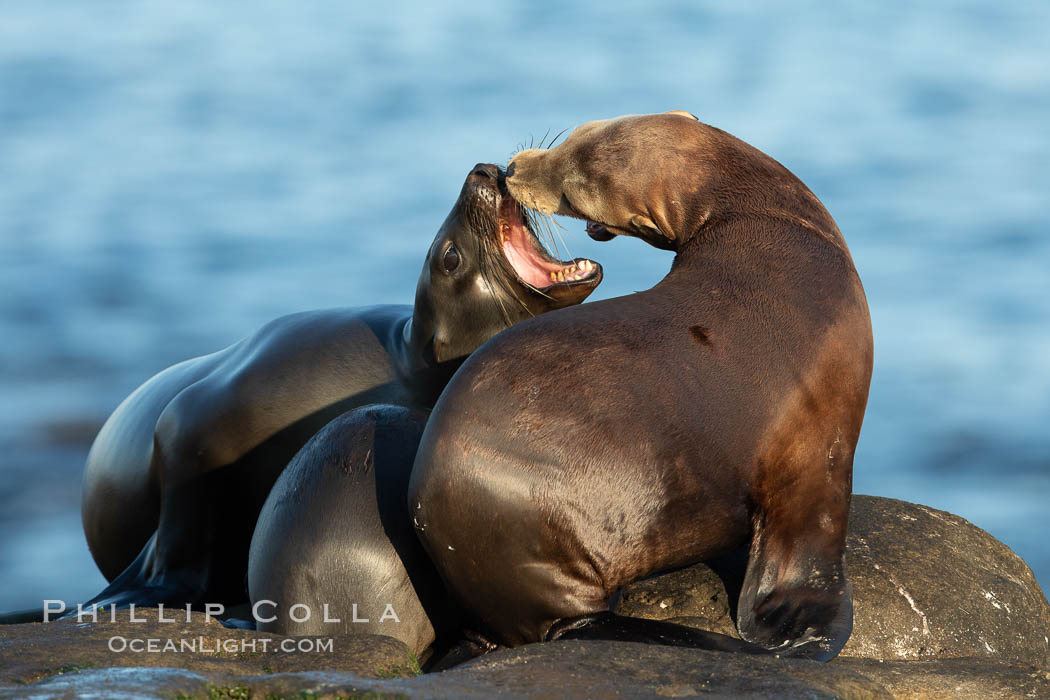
x,y
174,175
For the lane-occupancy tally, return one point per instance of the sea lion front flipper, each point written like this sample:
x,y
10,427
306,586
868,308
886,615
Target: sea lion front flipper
x,y
795,597
808,619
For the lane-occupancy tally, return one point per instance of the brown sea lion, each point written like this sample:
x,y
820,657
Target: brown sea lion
x,y
581,451
177,475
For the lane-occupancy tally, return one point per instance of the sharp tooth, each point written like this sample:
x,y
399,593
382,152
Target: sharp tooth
x,y
554,276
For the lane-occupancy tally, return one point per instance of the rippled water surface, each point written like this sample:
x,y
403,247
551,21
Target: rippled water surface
x,y
174,175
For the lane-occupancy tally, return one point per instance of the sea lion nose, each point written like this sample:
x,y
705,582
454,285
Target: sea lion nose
x,y
484,172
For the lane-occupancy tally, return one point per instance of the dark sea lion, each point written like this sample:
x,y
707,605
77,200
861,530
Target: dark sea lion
x,y
177,475
581,451
334,550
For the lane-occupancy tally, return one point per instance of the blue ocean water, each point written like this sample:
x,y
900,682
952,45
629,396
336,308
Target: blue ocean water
x,y
174,175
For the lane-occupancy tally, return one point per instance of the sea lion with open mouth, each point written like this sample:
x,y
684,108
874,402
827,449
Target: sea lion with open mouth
x,y
581,451
177,475
334,550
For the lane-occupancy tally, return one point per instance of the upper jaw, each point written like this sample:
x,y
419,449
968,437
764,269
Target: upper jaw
x,y
538,274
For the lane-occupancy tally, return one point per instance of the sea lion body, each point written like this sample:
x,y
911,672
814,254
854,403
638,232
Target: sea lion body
x,y
177,475
720,409
184,463
334,551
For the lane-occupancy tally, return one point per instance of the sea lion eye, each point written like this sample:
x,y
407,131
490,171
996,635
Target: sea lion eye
x,y
451,259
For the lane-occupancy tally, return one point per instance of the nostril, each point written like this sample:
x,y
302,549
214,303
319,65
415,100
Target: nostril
x,y
511,169
484,171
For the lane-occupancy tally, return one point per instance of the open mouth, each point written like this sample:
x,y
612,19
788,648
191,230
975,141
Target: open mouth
x,y
528,258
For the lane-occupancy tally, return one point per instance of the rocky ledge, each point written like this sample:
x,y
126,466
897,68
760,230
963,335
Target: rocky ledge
x,y
942,609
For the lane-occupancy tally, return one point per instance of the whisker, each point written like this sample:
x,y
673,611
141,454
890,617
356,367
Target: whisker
x,y
568,255
483,263
537,221
554,233
549,235
545,135
538,291
502,306
492,255
560,133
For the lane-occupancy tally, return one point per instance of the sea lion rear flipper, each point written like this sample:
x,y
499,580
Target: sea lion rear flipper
x,y
619,628
136,586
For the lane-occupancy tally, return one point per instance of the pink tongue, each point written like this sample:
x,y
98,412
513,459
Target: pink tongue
x,y
526,268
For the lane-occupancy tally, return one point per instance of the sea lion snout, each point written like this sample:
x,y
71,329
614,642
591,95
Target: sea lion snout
x,y
484,173
533,181
629,176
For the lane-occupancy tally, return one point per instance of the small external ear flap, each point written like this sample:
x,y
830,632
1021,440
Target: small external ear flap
x,y
683,113
643,224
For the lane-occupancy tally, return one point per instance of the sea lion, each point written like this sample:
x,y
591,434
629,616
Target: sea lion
x,y
177,475
334,550
581,451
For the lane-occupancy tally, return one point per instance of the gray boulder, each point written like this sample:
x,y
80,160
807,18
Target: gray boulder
x,y
926,585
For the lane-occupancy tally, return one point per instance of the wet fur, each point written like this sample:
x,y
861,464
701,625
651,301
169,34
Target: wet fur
x,y
584,450
177,475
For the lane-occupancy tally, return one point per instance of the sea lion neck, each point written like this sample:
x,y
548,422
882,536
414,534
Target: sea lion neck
x,y
743,191
415,363
668,179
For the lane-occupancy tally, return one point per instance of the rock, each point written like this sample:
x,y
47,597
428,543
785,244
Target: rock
x,y
948,679
32,652
562,669
943,610
926,585
68,659
695,596
625,669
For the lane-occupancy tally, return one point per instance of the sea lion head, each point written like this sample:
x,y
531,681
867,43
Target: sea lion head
x,y
487,270
639,175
